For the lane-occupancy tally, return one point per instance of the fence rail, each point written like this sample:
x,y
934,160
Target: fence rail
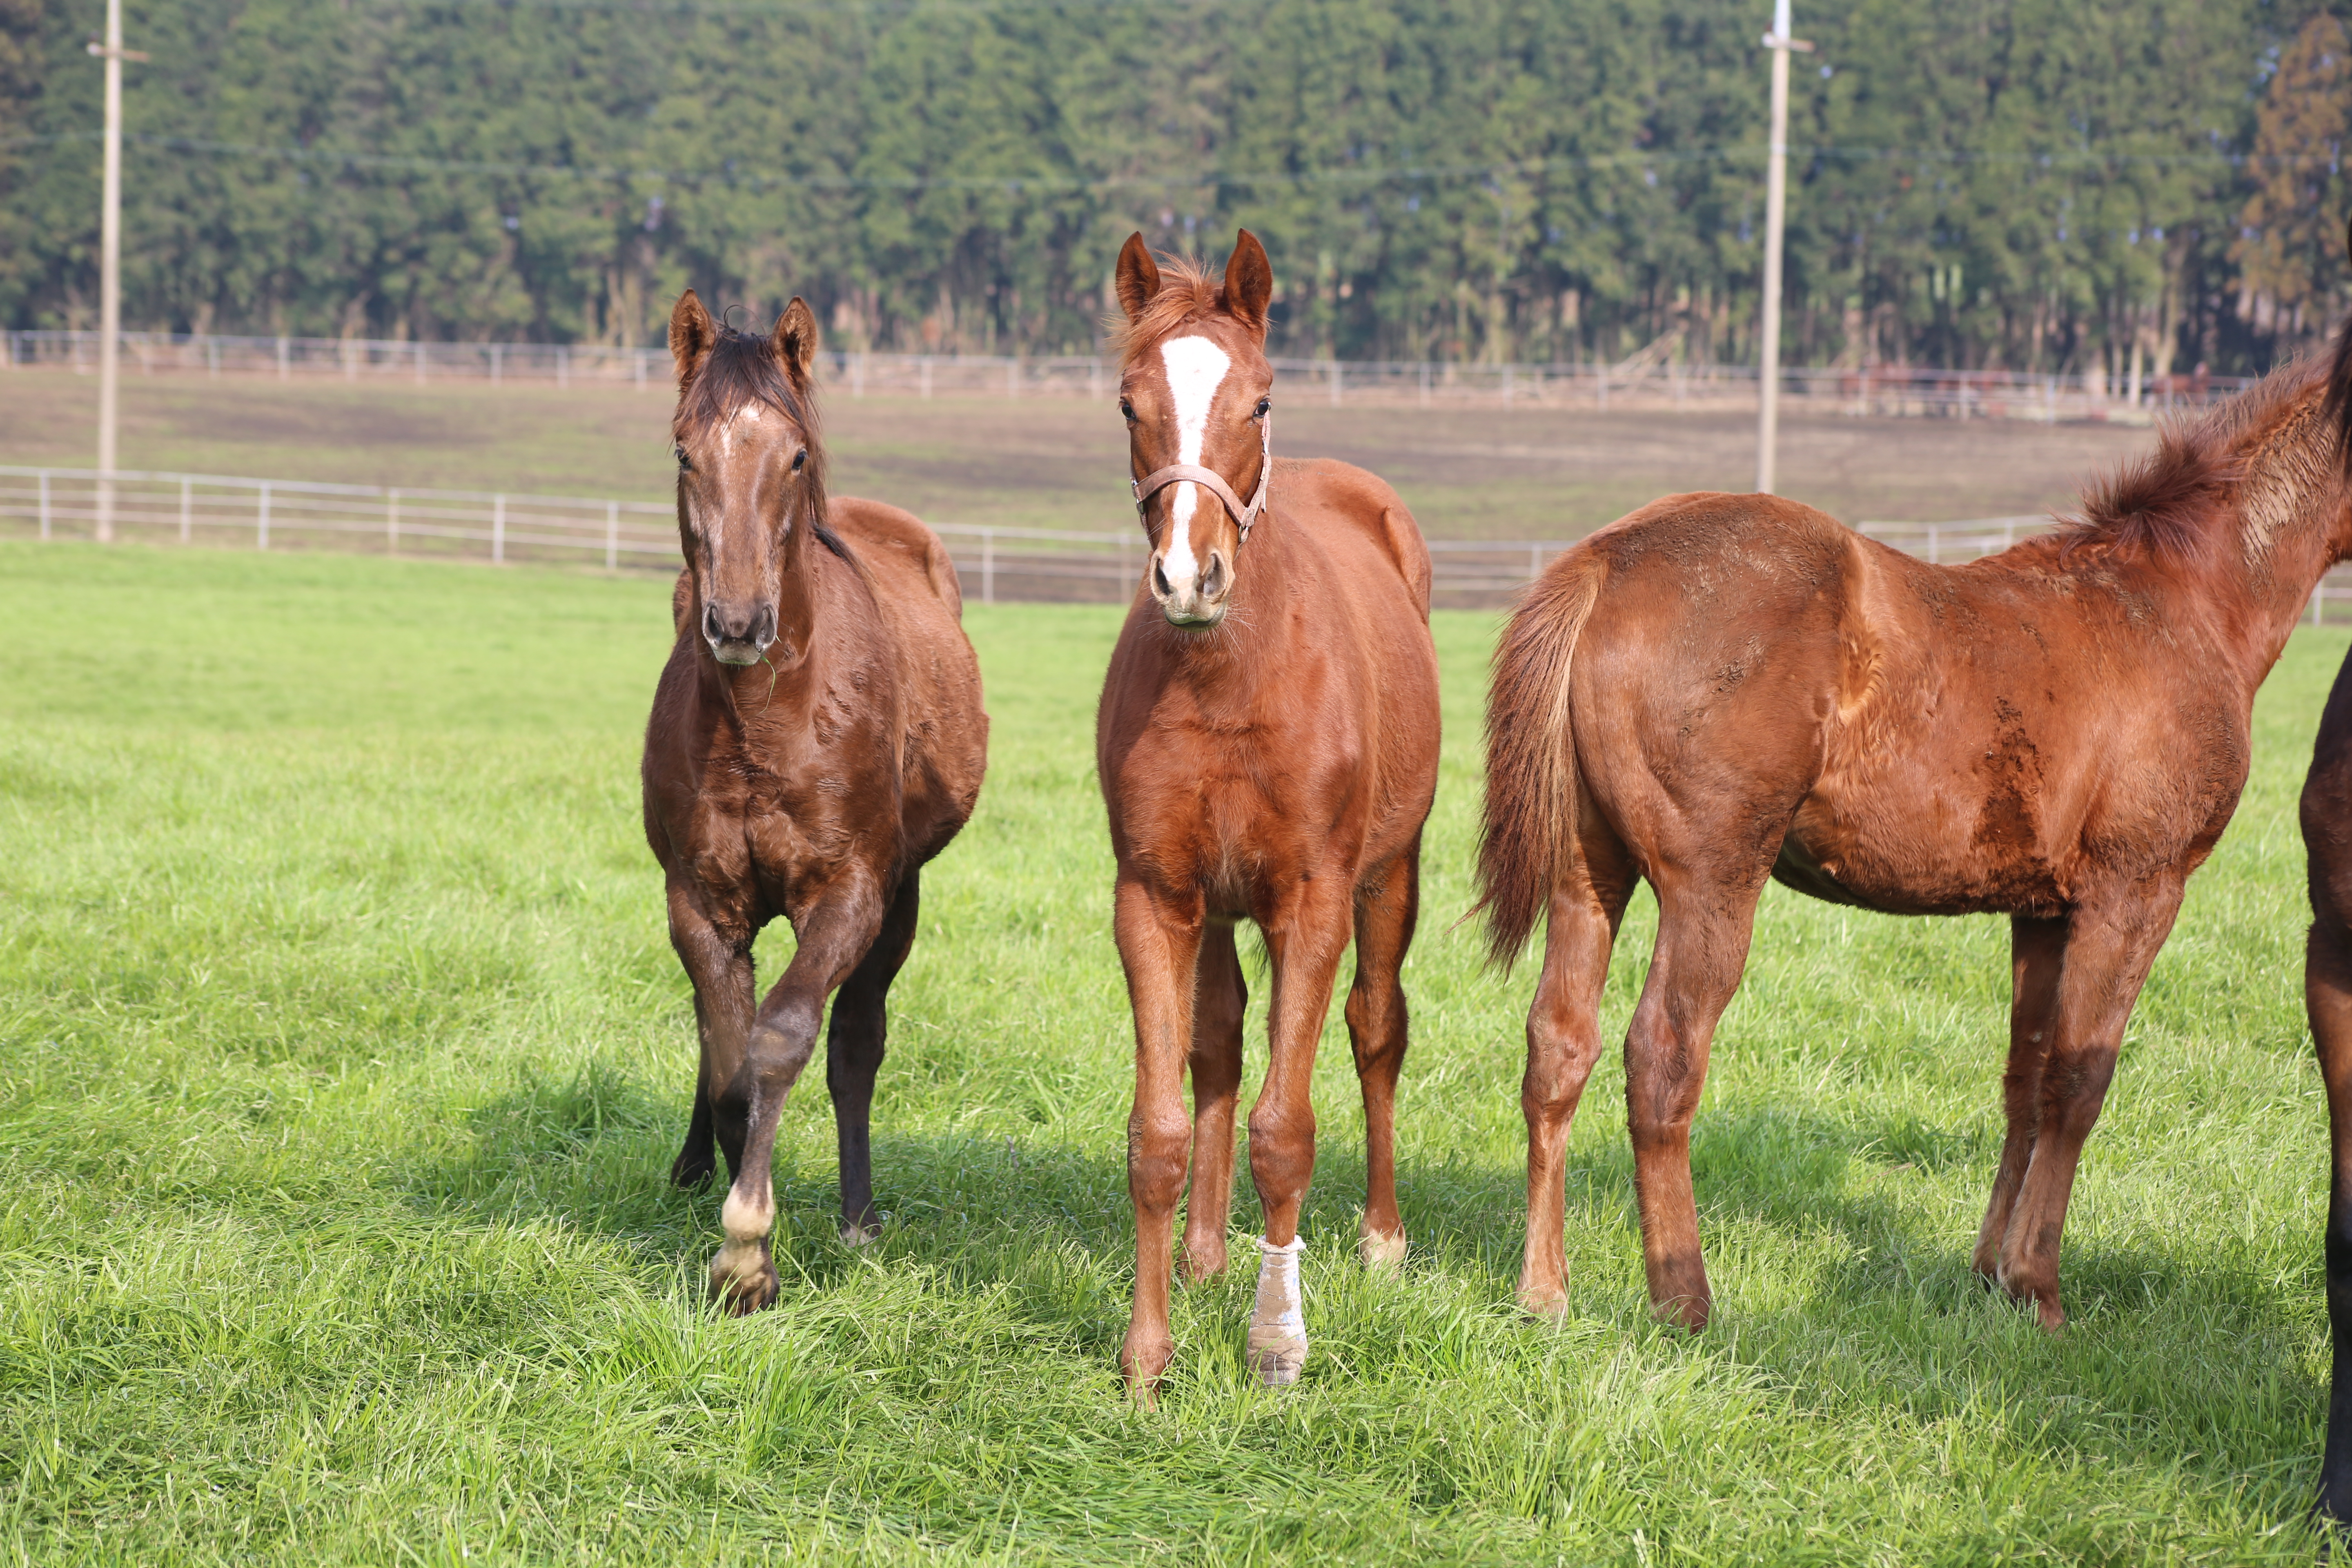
x,y
1643,382
1028,564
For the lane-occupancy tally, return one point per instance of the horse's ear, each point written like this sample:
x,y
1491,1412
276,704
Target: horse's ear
x,y
795,340
1249,282
1137,276
691,335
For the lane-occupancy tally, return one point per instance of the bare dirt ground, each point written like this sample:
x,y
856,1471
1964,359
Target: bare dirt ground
x,y
1493,473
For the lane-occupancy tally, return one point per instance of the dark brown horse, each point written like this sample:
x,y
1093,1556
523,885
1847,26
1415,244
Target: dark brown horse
x,y
1719,690
2327,995
1267,745
817,737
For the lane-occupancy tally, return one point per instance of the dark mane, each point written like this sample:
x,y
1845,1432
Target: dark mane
x,y
2162,506
1188,291
740,368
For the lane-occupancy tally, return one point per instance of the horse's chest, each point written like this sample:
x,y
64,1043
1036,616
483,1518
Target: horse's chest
x,y
755,844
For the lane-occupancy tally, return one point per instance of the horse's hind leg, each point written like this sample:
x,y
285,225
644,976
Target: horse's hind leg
x,y
1219,998
1563,1042
854,1043
2037,950
1704,927
1386,911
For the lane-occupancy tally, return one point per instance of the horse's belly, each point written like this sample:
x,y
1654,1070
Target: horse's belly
x,y
1919,872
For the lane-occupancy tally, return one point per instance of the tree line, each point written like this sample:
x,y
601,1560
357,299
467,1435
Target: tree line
x,y
2071,186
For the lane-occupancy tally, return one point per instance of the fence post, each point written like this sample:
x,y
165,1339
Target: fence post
x,y
1424,383
261,524
1094,385
498,351
391,522
857,374
499,529
642,357
1535,562
925,360
1335,383
1012,377
212,357
1931,544
420,361
988,565
186,507
45,503
285,364
562,367
612,535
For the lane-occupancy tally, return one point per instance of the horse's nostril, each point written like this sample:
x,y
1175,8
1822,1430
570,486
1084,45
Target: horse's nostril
x,y
1213,581
1159,580
710,622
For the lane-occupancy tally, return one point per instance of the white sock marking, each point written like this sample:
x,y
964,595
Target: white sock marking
x,y
1196,368
748,1218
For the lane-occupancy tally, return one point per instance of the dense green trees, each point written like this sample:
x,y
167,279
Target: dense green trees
x,y
2077,185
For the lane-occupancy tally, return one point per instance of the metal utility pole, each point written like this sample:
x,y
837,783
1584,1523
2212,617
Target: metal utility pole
x,y
1776,204
109,265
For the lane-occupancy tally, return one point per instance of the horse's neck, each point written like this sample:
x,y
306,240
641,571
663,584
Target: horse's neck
x,y
2289,502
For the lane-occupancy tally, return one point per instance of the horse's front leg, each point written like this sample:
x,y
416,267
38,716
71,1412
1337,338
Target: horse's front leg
x,y
1159,931
1304,940
2109,954
719,966
834,935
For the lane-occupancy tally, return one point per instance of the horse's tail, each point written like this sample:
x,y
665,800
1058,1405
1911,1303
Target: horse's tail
x,y
1531,776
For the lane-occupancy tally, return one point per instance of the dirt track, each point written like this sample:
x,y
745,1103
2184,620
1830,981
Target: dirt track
x,y
1060,463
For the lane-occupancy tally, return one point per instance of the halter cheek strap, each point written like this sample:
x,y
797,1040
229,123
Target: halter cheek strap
x,y
1209,480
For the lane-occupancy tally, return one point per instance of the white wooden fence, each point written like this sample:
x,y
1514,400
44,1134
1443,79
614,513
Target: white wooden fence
x,y
1029,564
1647,380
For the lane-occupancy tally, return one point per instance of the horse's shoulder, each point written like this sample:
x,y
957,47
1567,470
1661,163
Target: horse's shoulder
x,y
1358,499
896,542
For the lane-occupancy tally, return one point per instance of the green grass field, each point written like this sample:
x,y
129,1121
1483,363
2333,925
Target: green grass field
x,y
342,1057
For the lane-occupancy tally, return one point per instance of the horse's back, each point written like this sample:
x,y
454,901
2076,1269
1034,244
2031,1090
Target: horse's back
x,y
1356,514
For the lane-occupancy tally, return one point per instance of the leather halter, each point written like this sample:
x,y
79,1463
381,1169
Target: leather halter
x,y
1209,480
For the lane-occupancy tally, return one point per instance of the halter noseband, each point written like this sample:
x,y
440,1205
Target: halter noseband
x,y
1209,480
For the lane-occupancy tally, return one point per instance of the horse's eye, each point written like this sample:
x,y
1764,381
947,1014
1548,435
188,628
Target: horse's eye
x,y
683,462
1127,409
1264,407
800,460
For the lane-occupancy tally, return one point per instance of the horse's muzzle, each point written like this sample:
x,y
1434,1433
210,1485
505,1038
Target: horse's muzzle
x,y
1192,602
738,633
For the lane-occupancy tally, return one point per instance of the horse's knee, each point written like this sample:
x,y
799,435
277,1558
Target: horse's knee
x,y
1157,1151
1282,1145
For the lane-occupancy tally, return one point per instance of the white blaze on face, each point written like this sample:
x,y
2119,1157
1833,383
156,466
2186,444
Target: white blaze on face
x,y
1196,368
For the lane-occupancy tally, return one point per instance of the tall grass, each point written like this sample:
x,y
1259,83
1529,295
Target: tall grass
x,y
342,1057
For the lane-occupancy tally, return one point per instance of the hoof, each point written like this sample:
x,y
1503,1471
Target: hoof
x,y
1382,1251
743,1279
693,1167
1688,1313
1277,1365
1546,1301
1142,1364
861,1232
1204,1262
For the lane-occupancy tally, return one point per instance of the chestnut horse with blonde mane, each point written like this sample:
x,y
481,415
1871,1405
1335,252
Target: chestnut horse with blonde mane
x,y
817,737
1268,747
1719,690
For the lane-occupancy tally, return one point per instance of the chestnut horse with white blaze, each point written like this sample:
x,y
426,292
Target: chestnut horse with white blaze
x,y
1268,747
817,737
1719,690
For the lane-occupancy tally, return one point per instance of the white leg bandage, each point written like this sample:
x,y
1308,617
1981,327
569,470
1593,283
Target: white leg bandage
x,y
1277,1331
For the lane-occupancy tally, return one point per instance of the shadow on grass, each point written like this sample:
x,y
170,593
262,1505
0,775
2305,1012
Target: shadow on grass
x,y
1888,1314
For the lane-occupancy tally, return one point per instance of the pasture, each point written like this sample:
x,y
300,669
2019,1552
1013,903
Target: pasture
x,y
342,1057
1061,462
